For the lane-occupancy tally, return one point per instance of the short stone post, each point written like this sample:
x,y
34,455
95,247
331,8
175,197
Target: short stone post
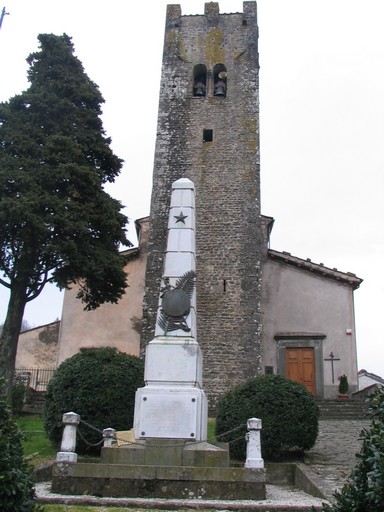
x,y
254,459
68,442
109,436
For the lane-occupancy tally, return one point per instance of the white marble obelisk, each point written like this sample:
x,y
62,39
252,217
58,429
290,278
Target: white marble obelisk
x,y
173,405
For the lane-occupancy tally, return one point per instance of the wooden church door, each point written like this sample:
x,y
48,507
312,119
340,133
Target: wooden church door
x,y
300,366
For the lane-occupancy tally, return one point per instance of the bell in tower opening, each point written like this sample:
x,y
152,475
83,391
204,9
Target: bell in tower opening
x,y
199,80
220,80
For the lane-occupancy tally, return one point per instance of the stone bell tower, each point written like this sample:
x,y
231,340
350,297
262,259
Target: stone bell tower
x,y
208,132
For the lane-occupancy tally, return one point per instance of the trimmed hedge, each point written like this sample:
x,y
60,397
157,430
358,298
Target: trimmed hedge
x,y
16,486
288,412
99,385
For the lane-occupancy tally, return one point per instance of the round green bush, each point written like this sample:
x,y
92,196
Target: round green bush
x,y
99,385
288,412
16,486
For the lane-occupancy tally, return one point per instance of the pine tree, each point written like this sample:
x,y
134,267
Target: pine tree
x,y
57,223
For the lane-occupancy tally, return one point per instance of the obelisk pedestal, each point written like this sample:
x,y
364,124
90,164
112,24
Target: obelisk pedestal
x,y
173,405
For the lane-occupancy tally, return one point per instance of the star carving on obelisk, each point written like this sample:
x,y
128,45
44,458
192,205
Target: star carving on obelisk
x,y
180,218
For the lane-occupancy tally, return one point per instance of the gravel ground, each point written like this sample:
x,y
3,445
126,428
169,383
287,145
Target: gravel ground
x,y
289,498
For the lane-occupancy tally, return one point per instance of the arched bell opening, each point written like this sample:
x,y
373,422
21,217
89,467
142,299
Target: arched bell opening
x,y
200,80
220,80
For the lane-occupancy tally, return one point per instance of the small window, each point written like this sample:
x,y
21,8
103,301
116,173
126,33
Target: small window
x,y
220,80
199,80
207,135
269,370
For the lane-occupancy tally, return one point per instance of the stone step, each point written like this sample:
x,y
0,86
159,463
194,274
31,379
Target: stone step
x,y
342,409
35,403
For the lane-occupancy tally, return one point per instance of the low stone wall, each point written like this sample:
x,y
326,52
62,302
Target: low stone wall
x,y
306,480
280,473
160,481
42,473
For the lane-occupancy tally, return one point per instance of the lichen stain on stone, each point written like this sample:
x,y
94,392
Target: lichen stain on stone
x,y
214,52
251,125
181,48
174,40
253,144
247,175
170,36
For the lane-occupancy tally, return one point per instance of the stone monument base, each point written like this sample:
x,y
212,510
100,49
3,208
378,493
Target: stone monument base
x,y
117,480
167,452
161,468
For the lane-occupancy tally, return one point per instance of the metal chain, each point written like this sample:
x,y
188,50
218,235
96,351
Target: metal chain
x,y
187,442
91,426
127,441
229,431
87,442
117,438
237,439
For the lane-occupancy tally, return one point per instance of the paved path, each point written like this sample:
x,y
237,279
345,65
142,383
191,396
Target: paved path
x,y
333,456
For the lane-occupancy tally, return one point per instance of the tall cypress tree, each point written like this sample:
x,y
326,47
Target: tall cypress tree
x,y
57,223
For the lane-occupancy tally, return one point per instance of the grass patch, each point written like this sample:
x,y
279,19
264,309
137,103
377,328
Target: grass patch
x,y
211,431
37,447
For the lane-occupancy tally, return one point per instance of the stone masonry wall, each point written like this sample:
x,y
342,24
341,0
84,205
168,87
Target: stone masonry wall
x,y
226,174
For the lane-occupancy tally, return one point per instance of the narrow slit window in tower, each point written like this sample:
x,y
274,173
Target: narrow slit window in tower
x,y
207,135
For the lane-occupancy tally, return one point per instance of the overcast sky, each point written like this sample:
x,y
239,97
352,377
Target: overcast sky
x,y
322,123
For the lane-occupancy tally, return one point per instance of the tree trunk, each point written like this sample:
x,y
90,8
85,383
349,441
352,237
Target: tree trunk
x,y
10,336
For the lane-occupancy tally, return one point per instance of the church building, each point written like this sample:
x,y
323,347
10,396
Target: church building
x,y
259,311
